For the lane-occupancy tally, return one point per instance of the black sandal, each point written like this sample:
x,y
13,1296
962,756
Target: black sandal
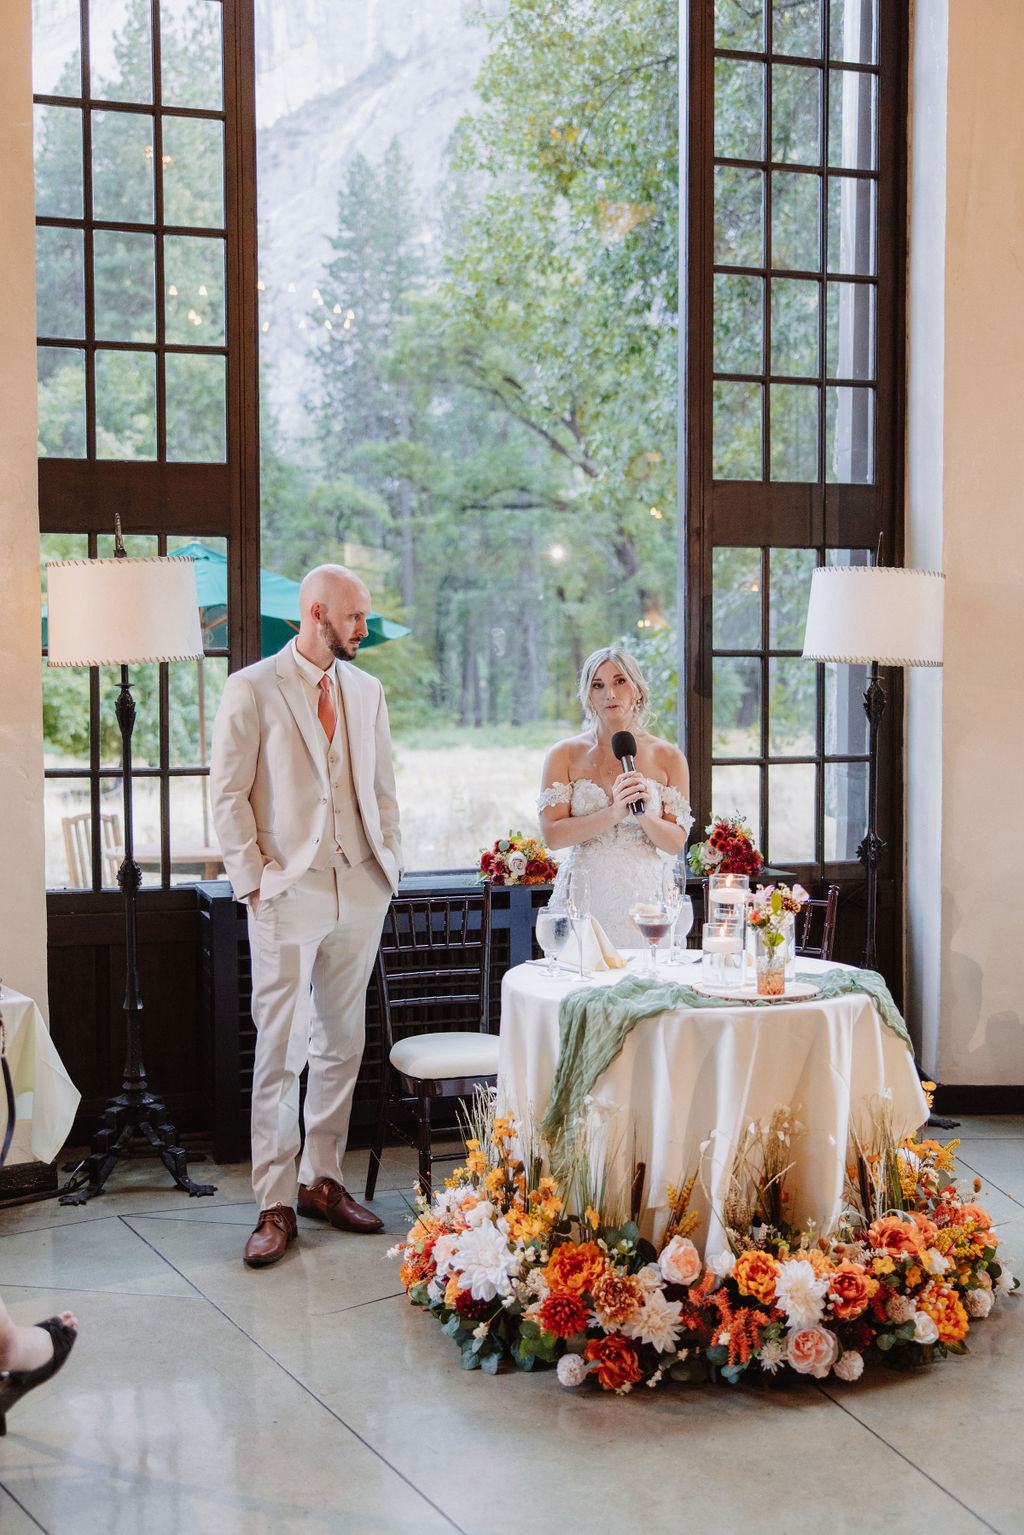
x,y
15,1384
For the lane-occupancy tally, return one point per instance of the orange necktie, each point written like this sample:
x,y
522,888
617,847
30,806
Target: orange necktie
x,y
325,711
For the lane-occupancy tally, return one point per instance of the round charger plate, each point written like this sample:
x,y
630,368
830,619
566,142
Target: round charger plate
x,y
796,991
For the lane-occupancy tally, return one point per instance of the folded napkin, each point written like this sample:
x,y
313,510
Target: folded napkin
x,y
599,953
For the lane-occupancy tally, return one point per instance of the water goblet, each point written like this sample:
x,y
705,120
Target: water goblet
x,y
578,902
554,930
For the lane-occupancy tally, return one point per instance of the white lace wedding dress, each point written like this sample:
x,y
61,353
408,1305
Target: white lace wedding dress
x,y
621,862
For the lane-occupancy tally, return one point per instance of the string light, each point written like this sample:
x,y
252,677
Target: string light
x,y
656,512
172,291
202,291
557,553
336,309
261,287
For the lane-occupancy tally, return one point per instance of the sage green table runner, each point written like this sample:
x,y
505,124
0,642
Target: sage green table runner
x,y
593,1024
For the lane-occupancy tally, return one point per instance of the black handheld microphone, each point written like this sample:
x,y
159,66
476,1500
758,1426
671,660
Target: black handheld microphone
x,y
624,747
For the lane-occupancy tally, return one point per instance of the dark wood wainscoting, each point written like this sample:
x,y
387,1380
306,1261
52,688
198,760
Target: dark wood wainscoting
x,y
86,982
198,1035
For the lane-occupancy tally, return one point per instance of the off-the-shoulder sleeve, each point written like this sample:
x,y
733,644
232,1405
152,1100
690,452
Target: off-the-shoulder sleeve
x,y
556,794
678,805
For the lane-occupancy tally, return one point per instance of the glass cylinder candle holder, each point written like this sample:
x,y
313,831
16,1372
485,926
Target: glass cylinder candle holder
x,y
722,947
727,897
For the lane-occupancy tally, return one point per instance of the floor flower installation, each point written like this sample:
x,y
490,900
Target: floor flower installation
x,y
522,1266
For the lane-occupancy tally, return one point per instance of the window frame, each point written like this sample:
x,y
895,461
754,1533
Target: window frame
x,y
817,515
157,497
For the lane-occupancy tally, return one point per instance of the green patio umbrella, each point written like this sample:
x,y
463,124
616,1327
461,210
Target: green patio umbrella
x,y
279,604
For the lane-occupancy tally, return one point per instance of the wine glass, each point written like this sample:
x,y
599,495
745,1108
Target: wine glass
x,y
578,901
554,930
654,920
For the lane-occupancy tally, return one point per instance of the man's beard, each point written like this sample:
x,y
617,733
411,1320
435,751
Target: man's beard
x,y
331,638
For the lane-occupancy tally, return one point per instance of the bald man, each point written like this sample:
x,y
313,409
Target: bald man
x,y
305,810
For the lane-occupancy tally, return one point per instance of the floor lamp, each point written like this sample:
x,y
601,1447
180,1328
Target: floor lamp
x,y
122,612
885,616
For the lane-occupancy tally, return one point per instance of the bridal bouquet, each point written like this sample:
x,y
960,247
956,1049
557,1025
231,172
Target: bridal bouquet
x,y
517,860
728,848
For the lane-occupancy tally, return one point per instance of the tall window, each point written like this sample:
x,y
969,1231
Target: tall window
x,y
468,270
797,290
141,236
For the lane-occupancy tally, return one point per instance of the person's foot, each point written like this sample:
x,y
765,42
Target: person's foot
x,y
327,1200
52,1339
275,1228
29,1348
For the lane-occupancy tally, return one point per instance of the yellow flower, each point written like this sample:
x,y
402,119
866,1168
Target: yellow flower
x,y
593,1219
882,1265
913,1277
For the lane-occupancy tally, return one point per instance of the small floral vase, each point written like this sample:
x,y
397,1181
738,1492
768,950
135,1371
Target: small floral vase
x,y
770,963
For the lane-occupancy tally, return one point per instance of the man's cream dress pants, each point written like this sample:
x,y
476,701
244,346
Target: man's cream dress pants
x,y
312,948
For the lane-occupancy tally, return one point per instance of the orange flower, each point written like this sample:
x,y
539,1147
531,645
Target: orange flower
x,y
525,1228
615,1357
975,1213
928,1229
563,1315
755,1274
575,1267
898,1239
617,1298
849,1289
943,1306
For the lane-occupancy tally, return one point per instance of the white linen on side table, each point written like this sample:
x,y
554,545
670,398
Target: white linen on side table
x,y
43,1092
682,1078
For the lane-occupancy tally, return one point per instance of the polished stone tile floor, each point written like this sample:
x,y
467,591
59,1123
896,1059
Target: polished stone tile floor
x,y
204,1398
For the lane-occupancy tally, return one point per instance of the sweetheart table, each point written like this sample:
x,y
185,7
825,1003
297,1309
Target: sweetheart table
x,y
687,1083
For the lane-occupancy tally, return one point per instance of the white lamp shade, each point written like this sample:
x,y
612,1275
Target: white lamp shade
x,y
875,613
121,612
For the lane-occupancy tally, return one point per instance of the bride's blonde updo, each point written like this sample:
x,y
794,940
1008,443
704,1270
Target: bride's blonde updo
x,y
629,669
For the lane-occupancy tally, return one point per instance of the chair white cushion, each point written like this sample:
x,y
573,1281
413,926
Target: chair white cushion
x,y
433,1056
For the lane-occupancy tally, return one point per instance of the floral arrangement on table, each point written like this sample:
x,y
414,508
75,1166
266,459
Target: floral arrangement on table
x,y
511,1274
770,912
728,848
517,860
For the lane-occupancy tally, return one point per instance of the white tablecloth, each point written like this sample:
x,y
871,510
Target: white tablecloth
x,y
45,1098
684,1078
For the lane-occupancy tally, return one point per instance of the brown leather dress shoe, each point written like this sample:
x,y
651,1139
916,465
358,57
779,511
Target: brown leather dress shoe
x,y
326,1200
275,1228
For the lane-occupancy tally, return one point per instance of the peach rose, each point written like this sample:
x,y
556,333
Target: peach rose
x,y
575,1267
928,1229
812,1351
756,1273
895,1238
975,1213
615,1357
679,1262
849,1290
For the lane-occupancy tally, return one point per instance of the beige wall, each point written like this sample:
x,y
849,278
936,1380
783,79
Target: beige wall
x,y
981,380
22,886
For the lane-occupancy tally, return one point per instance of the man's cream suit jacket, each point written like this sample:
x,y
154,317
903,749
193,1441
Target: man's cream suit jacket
x,y
268,774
